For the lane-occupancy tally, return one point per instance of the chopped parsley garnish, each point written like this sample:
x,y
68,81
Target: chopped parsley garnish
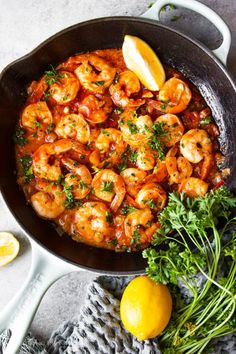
x,y
104,132
132,127
38,124
82,184
69,202
81,157
206,121
109,217
107,186
118,110
133,156
151,203
112,242
18,137
150,5
135,237
26,162
154,141
99,83
65,97
127,209
52,76
106,164
59,180
124,161
47,94
78,202
50,127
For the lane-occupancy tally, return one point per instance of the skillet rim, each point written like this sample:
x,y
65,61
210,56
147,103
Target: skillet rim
x,y
57,35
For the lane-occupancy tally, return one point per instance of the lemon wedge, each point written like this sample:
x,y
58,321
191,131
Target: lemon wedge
x,y
9,248
142,60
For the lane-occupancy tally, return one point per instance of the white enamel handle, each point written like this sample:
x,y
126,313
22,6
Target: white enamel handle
x,y
18,314
221,52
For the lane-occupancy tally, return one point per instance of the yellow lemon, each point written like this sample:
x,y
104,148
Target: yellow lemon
x,y
142,60
9,248
145,308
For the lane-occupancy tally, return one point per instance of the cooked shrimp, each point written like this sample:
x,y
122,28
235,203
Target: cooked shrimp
x,y
89,77
174,127
136,129
195,145
109,186
46,163
91,222
133,177
145,159
193,187
96,110
110,142
49,201
128,84
178,169
137,226
151,195
65,89
36,114
79,178
175,96
73,126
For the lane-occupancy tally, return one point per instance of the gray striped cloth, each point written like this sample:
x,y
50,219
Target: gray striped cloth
x,y
98,329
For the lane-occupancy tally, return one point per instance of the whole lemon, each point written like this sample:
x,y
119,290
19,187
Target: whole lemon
x,y
145,307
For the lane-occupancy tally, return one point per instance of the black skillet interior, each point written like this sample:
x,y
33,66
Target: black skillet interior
x,y
189,57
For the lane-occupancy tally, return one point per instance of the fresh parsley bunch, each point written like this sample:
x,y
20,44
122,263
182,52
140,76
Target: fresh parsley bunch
x,y
200,247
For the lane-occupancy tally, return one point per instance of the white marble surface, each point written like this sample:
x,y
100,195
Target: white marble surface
x,y
23,25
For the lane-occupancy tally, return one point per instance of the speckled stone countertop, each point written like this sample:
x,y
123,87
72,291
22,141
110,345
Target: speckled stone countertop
x,y
23,25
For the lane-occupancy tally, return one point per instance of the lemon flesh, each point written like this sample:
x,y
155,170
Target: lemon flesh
x,y
142,60
9,248
145,308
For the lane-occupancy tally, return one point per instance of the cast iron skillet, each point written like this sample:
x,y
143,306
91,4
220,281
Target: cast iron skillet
x,y
188,56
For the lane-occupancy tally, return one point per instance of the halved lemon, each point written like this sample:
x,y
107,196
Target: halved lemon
x,y
142,60
9,248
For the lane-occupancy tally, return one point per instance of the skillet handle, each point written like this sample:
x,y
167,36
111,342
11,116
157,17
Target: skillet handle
x,y
221,52
18,314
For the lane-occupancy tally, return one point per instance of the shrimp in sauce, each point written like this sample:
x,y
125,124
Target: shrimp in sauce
x,y
97,152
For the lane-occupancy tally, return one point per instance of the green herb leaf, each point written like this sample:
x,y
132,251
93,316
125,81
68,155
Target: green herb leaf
x,y
52,76
127,209
50,128
82,185
132,127
109,217
206,121
26,162
18,137
107,186
69,202
135,237
99,83
133,156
